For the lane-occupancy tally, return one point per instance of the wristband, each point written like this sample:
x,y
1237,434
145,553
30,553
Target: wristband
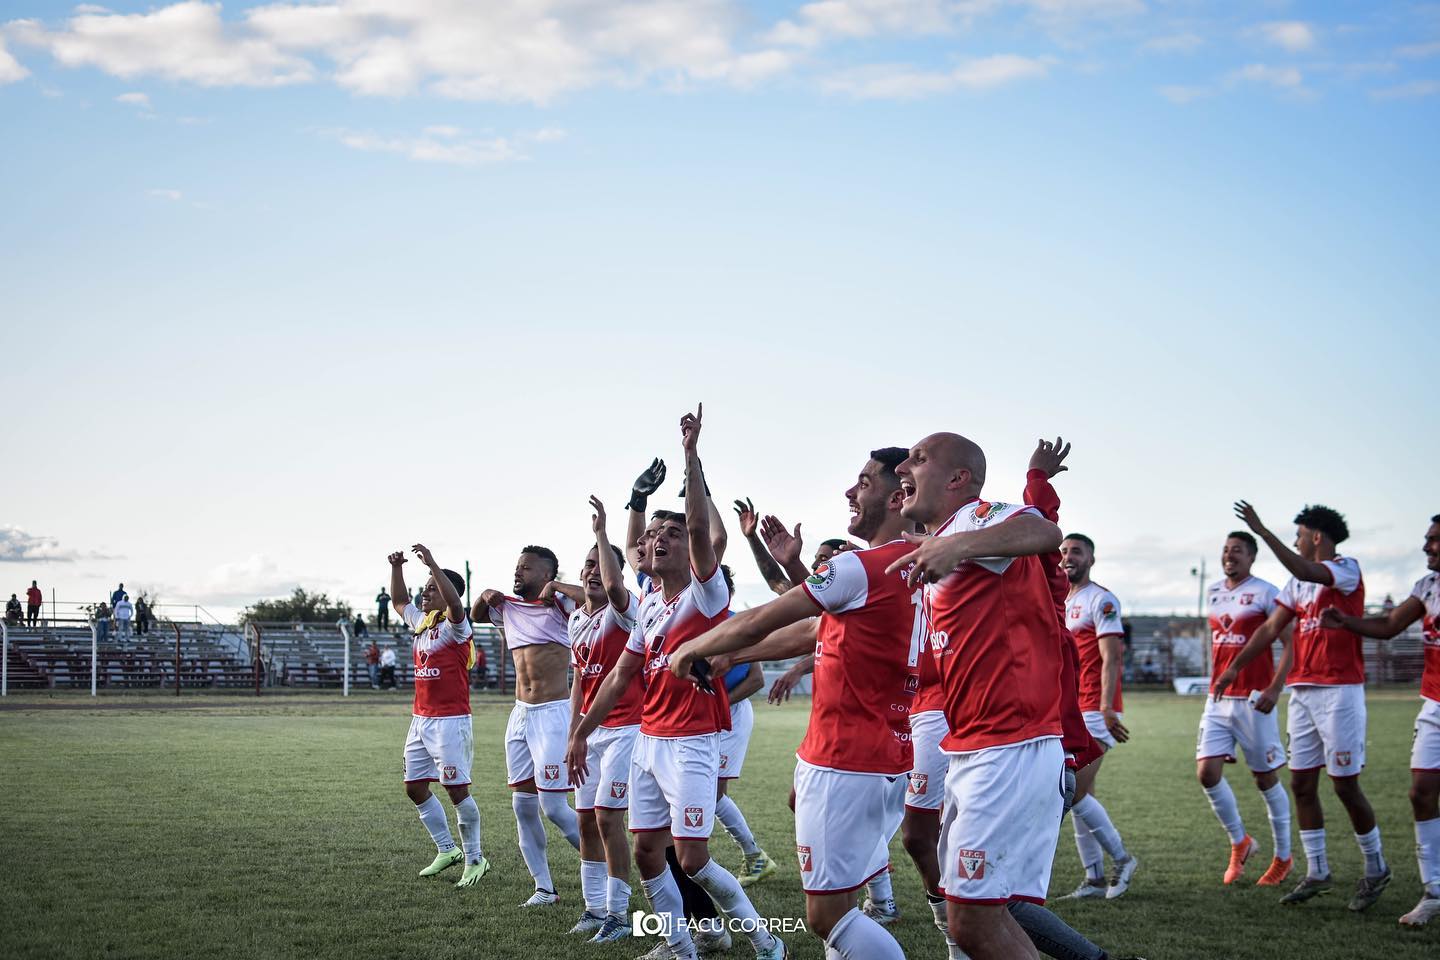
x,y
637,501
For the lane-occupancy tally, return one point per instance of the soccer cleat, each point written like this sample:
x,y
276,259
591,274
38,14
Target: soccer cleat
x,y
661,951
1308,888
1276,873
473,873
882,913
776,952
444,861
1089,888
1239,854
588,923
1368,890
708,941
1426,910
542,898
1120,879
757,868
611,930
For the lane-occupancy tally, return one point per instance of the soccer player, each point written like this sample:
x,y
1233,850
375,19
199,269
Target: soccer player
x,y
440,745
851,767
775,576
1093,616
535,621
741,683
1240,604
676,759
1422,604
1327,692
599,630
998,647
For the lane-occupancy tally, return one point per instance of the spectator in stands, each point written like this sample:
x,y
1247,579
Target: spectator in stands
x,y
482,672
417,599
388,662
372,662
359,626
118,595
124,614
102,621
142,616
13,611
382,616
33,599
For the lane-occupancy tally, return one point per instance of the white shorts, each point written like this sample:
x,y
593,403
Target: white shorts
x,y
672,785
1425,754
1095,723
1001,822
843,825
926,790
736,741
440,748
607,755
1327,728
536,739
1232,721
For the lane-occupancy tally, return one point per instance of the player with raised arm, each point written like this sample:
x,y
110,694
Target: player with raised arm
x,y
535,621
599,630
998,647
1423,604
1092,615
677,753
1327,692
775,576
1240,605
440,745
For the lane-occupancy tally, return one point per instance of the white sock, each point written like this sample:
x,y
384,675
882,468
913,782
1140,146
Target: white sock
x,y
1227,811
730,900
937,909
857,937
559,812
1277,806
1370,846
665,900
880,889
1427,851
532,838
733,820
617,897
432,814
593,874
953,951
1099,823
469,816
1313,841
1092,855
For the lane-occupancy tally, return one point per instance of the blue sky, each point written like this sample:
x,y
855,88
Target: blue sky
x,y
290,285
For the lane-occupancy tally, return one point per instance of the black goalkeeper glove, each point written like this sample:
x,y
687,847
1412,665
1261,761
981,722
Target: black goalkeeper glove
x,y
647,483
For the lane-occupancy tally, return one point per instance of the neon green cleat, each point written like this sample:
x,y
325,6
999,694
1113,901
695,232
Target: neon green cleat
x,y
757,868
473,873
444,861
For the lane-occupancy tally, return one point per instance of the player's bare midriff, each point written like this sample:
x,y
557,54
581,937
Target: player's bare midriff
x,y
541,672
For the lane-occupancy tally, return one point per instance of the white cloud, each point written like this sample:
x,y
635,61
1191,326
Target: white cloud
x,y
1173,43
243,582
442,131
17,546
1408,91
823,20
1292,35
1282,77
134,100
1183,94
1419,51
548,135
432,147
164,194
11,69
901,82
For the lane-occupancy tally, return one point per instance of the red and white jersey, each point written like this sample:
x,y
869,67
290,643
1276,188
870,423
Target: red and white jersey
x,y
596,642
673,707
1427,591
444,653
1235,614
531,622
1093,612
930,695
996,642
867,663
1326,656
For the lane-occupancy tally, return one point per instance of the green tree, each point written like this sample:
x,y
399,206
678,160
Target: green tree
x,y
300,606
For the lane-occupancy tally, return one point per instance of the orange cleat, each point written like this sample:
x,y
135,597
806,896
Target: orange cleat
x,y
1277,872
1239,853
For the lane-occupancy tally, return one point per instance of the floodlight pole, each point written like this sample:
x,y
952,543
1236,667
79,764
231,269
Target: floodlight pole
x,y
4,660
94,656
177,656
345,679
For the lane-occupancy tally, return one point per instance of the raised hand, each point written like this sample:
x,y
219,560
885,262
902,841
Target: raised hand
x,y
649,480
492,598
397,558
783,545
597,520
749,519
1050,457
1247,513
423,553
690,428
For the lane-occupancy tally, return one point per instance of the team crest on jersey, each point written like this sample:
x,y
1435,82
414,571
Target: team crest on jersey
x,y
803,852
1108,610
1226,622
986,512
1246,599
972,864
694,816
582,651
724,760
1075,611
912,683
1270,755
822,576
919,783
448,773
617,789
552,771
1342,758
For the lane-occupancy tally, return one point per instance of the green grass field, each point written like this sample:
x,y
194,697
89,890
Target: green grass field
x,y
274,828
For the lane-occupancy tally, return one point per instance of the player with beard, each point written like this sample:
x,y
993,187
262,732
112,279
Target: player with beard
x,y
1240,604
1423,604
535,619
676,758
998,647
1093,617
1327,693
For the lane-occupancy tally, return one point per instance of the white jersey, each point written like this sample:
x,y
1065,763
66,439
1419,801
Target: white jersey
x,y
530,622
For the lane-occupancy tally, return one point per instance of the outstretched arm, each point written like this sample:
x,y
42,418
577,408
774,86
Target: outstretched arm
x,y
454,609
610,573
785,547
1382,627
745,629
775,578
719,538
1311,571
399,596
647,483
697,505
937,557
1260,640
